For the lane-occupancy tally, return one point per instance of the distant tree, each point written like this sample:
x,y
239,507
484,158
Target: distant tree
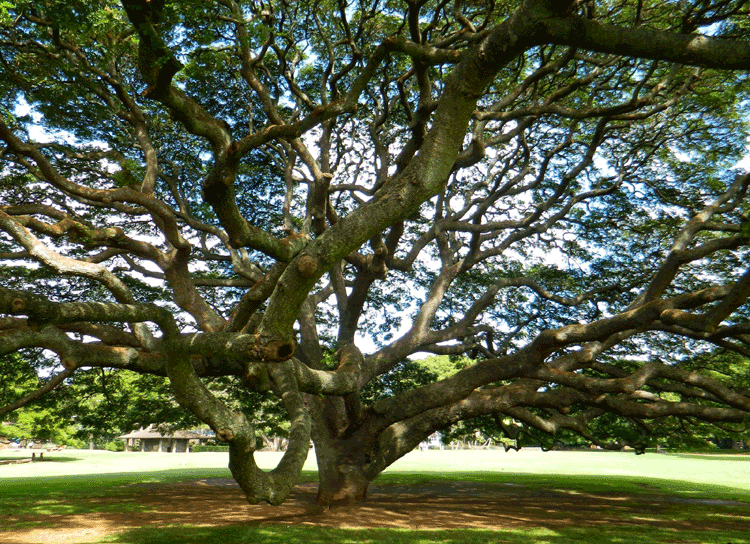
x,y
236,194
38,422
105,404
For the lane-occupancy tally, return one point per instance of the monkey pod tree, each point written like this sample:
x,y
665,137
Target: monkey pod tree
x,y
251,190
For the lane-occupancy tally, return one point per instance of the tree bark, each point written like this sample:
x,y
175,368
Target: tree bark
x,y
341,472
341,448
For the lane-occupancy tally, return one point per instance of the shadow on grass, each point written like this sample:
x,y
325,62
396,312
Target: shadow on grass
x,y
54,459
323,535
72,494
91,482
741,456
611,484
555,509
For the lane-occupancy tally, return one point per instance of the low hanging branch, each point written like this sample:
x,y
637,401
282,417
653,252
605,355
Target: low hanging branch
x,y
41,311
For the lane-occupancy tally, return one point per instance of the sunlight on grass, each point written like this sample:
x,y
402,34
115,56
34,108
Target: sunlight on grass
x,y
574,474
571,484
51,508
730,516
323,535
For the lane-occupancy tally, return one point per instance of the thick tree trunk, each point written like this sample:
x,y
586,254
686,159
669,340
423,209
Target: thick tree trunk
x,y
341,449
340,469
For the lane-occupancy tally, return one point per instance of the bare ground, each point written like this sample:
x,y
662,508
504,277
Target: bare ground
x,y
426,506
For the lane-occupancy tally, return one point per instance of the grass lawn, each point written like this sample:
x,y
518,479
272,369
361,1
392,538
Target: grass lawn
x,y
653,498
305,535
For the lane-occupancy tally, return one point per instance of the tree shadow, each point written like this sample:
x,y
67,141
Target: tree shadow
x,y
322,535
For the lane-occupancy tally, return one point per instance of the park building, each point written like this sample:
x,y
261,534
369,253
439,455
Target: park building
x,y
155,440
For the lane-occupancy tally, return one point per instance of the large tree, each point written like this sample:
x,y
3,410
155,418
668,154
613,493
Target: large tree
x,y
249,193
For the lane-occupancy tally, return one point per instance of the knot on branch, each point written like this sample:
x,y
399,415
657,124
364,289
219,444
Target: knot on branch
x,y
225,435
307,265
280,351
114,233
271,350
38,308
69,363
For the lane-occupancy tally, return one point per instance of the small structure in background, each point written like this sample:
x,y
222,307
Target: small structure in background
x,y
434,441
162,441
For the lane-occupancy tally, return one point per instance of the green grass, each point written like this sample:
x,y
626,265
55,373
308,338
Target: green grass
x,y
26,499
626,485
323,535
78,494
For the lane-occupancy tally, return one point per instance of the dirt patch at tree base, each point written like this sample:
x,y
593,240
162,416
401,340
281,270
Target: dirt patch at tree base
x,y
453,505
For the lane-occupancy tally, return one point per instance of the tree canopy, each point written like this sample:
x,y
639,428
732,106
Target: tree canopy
x,y
279,203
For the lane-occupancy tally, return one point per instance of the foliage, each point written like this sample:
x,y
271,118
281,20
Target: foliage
x,y
39,423
41,426
198,448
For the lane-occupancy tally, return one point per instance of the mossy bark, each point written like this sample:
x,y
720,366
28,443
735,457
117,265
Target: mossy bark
x,y
341,473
